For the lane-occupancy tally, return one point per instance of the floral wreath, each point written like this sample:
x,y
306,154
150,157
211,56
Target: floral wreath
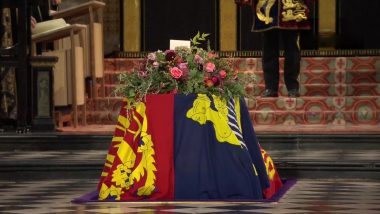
x,y
183,71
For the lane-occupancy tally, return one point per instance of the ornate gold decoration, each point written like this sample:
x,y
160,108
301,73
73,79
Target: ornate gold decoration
x,y
264,5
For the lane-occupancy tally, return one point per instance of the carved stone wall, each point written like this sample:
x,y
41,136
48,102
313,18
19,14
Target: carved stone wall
x,y
8,103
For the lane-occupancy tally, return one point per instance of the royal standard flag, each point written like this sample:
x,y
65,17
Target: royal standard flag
x,y
184,147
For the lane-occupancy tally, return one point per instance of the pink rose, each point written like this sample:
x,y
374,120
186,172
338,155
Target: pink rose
x,y
176,72
211,55
222,74
152,56
156,64
198,59
210,67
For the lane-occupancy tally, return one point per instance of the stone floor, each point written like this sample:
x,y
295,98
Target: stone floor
x,y
42,173
306,196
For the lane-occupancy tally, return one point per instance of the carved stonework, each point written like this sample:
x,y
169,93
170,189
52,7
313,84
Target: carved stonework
x,y
8,104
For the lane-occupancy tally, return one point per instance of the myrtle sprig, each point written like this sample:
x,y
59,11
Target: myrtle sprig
x,y
197,39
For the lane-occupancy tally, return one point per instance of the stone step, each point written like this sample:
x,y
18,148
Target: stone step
x,y
350,103
316,129
326,90
306,113
316,70
337,111
323,103
70,156
357,89
333,118
360,89
328,76
121,64
316,63
306,76
254,64
103,110
338,94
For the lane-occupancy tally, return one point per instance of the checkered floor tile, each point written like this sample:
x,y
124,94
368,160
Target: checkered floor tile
x,y
307,196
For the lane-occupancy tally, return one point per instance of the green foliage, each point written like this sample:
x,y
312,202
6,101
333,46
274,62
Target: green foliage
x,y
198,39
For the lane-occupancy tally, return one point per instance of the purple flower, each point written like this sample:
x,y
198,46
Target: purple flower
x,y
184,68
198,59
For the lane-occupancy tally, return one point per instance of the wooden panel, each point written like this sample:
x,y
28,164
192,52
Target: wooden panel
x,y
79,75
65,44
327,24
60,77
98,50
132,25
327,14
228,25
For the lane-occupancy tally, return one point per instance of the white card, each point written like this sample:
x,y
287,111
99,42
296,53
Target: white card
x,y
179,43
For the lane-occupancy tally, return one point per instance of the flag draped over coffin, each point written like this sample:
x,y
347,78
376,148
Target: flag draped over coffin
x,y
186,147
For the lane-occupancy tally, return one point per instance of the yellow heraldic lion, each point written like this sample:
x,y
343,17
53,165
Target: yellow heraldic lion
x,y
112,191
202,112
123,177
294,10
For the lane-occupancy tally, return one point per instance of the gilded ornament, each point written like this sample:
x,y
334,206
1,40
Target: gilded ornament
x,y
265,5
293,10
